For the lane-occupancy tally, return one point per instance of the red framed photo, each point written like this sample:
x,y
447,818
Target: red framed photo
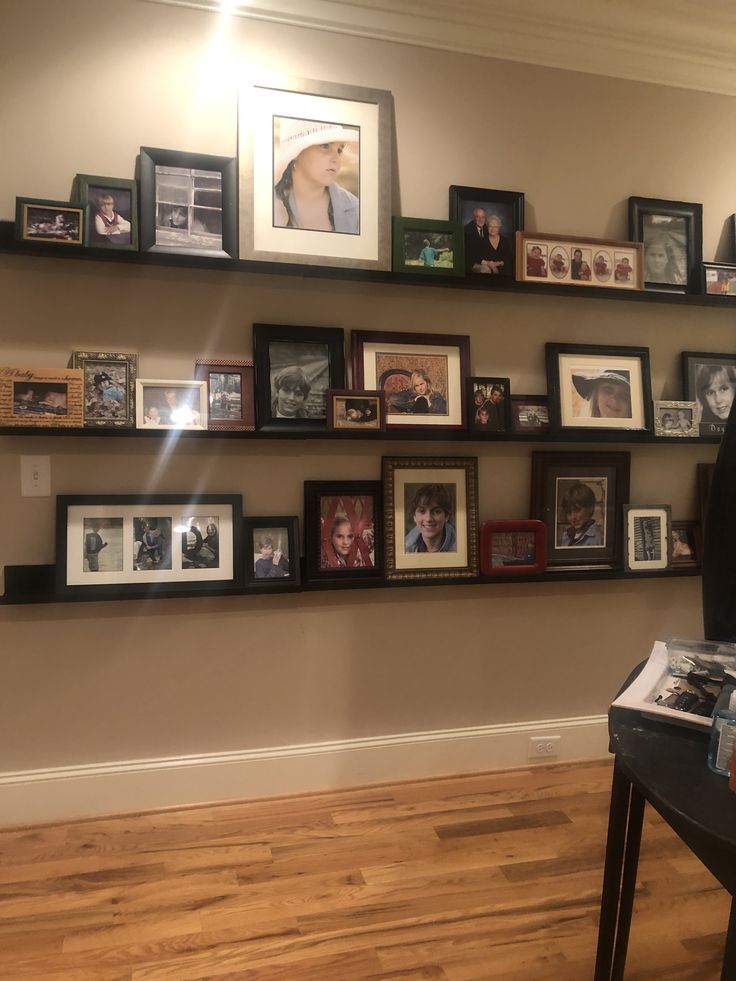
x,y
513,548
230,393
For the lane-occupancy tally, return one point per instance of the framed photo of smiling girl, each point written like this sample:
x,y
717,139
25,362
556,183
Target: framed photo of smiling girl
x,y
601,388
710,380
315,174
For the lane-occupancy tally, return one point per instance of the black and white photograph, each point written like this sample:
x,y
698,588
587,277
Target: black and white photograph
x,y
529,414
665,250
103,544
109,387
710,380
49,222
488,405
271,554
152,543
490,220
200,541
168,404
672,233
356,410
225,395
676,419
648,538
230,392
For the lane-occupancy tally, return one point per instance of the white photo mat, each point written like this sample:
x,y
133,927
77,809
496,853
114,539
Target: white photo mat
x,y
663,539
570,414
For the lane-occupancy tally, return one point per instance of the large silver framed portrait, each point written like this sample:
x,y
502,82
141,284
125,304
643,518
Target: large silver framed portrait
x,y
315,174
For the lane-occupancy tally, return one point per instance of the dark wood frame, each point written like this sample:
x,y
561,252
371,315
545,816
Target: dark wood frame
x,y
517,402
389,466
21,206
470,384
546,465
80,194
717,266
571,243
147,589
460,194
400,225
694,530
490,528
80,359
263,334
357,430
314,490
227,166
689,385
359,338
651,564
639,208
203,367
602,351
284,583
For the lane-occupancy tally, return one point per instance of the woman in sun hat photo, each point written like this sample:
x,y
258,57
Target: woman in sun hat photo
x,y
608,392
308,157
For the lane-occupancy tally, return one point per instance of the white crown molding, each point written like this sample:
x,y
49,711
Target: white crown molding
x,y
62,793
668,42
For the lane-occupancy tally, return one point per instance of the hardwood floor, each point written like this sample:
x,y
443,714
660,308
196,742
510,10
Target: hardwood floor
x,y
492,876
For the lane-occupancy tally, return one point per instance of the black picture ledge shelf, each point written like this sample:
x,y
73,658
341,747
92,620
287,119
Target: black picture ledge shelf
x,y
34,584
487,284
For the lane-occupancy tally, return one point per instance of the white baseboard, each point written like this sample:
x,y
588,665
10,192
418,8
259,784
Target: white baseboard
x,y
66,792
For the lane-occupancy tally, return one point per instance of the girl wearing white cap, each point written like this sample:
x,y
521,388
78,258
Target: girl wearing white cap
x,y
306,193
609,393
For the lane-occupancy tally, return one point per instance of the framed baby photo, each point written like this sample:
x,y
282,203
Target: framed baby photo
x,y
343,529
163,403
421,375
109,388
676,419
579,496
188,203
490,220
589,262
315,173
295,368
488,405
111,211
710,380
153,544
719,279
356,411
513,548
529,415
598,387
272,553
231,401
648,532
672,234
687,544
39,398
431,517
48,222
423,246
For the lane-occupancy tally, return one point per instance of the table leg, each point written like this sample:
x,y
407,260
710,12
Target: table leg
x,y
619,877
728,973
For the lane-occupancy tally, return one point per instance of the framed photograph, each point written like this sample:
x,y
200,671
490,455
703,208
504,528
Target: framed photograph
x,y
423,246
231,400
488,405
272,556
705,472
55,222
719,279
343,529
109,388
422,376
529,415
315,174
490,221
710,380
188,203
597,386
676,418
295,368
431,517
111,205
648,538
161,403
36,397
356,411
113,545
578,496
672,233
591,262
687,544
513,548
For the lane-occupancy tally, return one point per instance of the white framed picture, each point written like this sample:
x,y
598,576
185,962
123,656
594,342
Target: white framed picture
x,y
163,403
648,538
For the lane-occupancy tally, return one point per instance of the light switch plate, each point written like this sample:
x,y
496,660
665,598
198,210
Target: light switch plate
x,y
35,476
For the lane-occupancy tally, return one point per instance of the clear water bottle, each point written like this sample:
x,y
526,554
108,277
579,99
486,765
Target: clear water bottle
x,y
723,732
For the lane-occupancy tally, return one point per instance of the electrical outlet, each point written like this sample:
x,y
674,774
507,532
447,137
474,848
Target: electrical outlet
x,y
544,747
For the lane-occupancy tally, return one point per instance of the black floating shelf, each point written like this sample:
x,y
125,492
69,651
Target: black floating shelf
x,y
487,284
34,584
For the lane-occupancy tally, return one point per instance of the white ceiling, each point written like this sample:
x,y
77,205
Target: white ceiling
x,y
686,43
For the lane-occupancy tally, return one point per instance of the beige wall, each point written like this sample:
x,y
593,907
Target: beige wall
x,y
89,81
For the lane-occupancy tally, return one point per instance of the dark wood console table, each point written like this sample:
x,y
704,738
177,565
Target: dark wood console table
x,y
663,765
